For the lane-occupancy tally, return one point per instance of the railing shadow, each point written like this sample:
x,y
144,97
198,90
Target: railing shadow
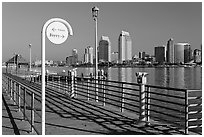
x,y
15,127
83,110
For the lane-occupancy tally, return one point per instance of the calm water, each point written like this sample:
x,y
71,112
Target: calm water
x,y
178,77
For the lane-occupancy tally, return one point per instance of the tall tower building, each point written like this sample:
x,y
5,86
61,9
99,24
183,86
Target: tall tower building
x,y
88,56
75,56
159,54
124,47
104,49
170,51
187,53
179,52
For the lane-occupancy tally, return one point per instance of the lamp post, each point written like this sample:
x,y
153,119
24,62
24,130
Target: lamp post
x,y
95,15
30,56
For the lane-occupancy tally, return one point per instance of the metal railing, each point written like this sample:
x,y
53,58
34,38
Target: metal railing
x,y
170,105
24,98
180,108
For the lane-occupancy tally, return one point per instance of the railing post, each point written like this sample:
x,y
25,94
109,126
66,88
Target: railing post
x,y
104,92
66,85
96,89
122,99
24,103
8,86
11,86
13,90
73,84
88,84
186,112
19,97
14,93
32,111
141,79
148,105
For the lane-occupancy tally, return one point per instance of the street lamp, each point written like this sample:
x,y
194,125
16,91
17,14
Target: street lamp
x,y
30,57
95,15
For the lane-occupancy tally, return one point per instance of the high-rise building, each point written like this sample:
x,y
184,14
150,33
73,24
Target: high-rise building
x,y
88,56
124,47
179,52
187,53
197,55
159,54
170,51
74,57
104,49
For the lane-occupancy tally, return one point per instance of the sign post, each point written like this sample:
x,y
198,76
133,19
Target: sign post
x,y
57,31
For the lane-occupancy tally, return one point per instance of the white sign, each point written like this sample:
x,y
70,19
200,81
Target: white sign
x,y
57,32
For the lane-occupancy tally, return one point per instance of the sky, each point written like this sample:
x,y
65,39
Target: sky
x,y
150,24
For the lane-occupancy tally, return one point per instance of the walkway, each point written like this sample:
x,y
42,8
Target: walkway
x,y
12,119
66,116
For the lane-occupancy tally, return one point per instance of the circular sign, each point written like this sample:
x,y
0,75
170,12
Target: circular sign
x,y
57,32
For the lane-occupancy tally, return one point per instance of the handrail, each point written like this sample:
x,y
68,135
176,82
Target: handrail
x,y
126,96
33,110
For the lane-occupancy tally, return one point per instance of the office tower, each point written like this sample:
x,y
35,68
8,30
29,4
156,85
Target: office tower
x,y
197,55
187,53
179,52
159,53
124,47
170,51
88,56
104,49
74,57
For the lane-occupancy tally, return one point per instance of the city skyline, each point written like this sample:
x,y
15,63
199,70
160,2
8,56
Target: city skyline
x,y
149,25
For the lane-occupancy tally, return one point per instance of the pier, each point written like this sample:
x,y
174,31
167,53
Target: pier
x,y
76,105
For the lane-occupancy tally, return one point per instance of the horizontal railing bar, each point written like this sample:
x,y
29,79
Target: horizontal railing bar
x,y
113,81
167,88
166,95
167,108
179,104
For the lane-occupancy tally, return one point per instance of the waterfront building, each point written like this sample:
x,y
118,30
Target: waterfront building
x,y
179,52
187,53
159,53
74,57
170,51
114,57
197,55
104,49
124,47
88,55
